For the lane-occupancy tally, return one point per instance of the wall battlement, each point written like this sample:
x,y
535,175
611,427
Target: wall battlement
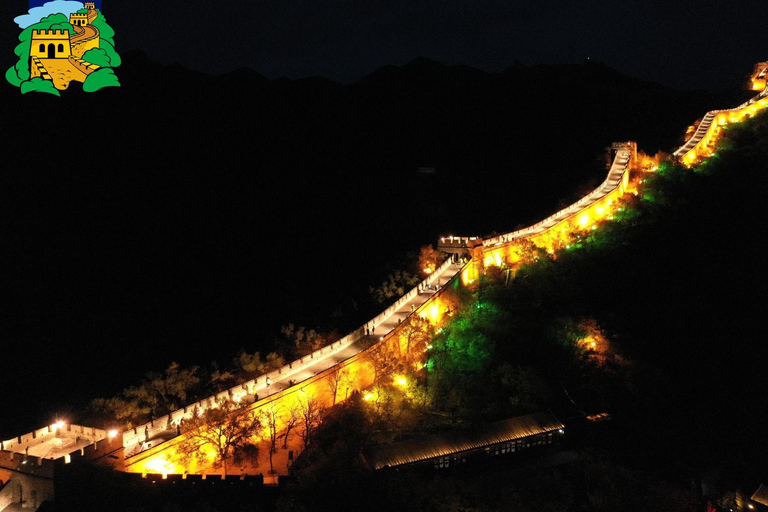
x,y
79,19
50,34
90,5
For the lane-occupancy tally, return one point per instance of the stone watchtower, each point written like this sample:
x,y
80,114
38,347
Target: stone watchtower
x,y
90,5
79,19
50,44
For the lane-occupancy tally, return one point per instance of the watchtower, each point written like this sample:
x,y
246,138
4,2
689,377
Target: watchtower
x,y
79,19
90,5
625,146
50,44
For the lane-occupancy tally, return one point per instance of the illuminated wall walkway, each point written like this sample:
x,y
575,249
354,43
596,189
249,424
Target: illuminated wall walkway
x,y
150,448
702,143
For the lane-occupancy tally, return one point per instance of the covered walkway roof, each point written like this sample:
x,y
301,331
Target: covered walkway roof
x,y
417,450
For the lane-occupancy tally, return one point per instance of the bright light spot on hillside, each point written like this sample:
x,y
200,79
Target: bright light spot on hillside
x,y
583,220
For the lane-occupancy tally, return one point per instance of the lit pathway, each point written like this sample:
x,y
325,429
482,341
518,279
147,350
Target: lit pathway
x,y
381,330
159,431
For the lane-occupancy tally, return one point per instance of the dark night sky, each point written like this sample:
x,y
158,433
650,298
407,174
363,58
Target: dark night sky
x,y
685,44
713,46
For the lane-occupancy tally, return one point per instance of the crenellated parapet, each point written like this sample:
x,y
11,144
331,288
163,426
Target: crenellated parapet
x,y
79,19
702,143
50,34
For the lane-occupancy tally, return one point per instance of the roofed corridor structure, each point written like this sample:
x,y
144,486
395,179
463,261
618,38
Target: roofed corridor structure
x,y
446,450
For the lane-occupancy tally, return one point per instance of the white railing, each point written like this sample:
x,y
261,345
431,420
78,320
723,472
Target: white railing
x,y
707,121
251,387
616,174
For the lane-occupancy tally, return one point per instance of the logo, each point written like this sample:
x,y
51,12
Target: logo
x,y
64,41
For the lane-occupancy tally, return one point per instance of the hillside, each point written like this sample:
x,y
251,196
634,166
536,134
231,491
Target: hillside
x,y
184,216
652,319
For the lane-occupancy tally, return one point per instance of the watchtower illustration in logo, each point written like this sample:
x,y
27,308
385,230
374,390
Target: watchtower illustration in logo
x,y
64,41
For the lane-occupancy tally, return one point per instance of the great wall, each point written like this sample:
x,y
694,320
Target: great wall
x,y
56,55
151,448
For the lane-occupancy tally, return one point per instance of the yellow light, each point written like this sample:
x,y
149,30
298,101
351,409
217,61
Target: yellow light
x,y
401,381
159,466
434,313
112,434
583,220
368,397
427,270
601,209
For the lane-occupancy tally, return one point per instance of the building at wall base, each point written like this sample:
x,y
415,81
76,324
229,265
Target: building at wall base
x,y
759,500
441,451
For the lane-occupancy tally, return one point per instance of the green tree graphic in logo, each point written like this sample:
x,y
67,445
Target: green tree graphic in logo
x,y
64,41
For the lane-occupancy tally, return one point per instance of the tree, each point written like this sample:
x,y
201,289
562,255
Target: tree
x,y
270,415
248,366
303,341
430,258
167,391
395,285
130,412
310,411
337,379
415,335
291,422
38,84
335,450
528,252
230,430
527,390
382,359
157,395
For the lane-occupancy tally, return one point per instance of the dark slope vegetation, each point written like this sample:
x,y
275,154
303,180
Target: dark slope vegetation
x,y
678,286
682,287
183,216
